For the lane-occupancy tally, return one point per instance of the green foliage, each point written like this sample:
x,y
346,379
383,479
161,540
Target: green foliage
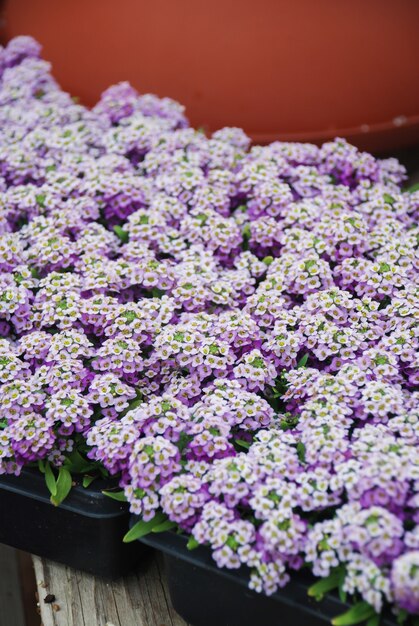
x,y
164,527
87,480
243,444
360,612
192,543
121,233
303,361
40,200
324,585
142,528
288,421
281,385
246,233
64,484
77,464
50,479
115,495
301,451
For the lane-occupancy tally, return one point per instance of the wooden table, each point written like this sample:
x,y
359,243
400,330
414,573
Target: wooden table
x,y
141,599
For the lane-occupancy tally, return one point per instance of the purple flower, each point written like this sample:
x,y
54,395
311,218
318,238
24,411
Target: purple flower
x,y
230,330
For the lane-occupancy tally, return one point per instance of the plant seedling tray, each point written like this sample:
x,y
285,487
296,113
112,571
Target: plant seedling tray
x,y
204,594
85,531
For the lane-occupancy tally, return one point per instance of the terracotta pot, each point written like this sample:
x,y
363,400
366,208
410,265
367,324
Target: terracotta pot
x,y
299,70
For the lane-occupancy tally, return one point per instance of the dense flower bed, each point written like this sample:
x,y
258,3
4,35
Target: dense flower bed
x,y
230,329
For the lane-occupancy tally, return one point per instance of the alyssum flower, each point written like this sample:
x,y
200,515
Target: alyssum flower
x,y
231,330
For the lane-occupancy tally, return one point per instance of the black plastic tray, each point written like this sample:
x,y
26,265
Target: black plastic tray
x,y
205,595
85,531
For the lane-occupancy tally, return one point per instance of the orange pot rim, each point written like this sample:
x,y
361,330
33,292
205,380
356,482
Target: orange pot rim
x,y
400,125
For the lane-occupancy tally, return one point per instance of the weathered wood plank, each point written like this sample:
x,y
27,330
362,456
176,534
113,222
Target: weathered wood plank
x,y
11,606
28,588
140,599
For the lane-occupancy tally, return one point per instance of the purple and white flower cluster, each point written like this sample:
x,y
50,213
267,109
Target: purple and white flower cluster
x,y
230,329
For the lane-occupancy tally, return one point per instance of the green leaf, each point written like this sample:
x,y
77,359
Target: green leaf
x,y
342,595
40,200
402,616
358,613
162,528
41,466
268,260
103,471
324,585
342,577
115,495
303,361
76,463
136,403
142,528
287,421
374,620
132,405
413,188
183,441
50,479
192,543
301,451
384,303
121,233
246,233
87,480
243,444
389,199
64,484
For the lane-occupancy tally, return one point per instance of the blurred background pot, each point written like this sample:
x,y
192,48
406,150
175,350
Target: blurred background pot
x,y
301,70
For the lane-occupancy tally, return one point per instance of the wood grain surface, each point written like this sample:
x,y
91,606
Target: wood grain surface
x,y
141,599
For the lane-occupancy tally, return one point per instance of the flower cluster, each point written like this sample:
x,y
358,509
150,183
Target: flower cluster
x,y
232,330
